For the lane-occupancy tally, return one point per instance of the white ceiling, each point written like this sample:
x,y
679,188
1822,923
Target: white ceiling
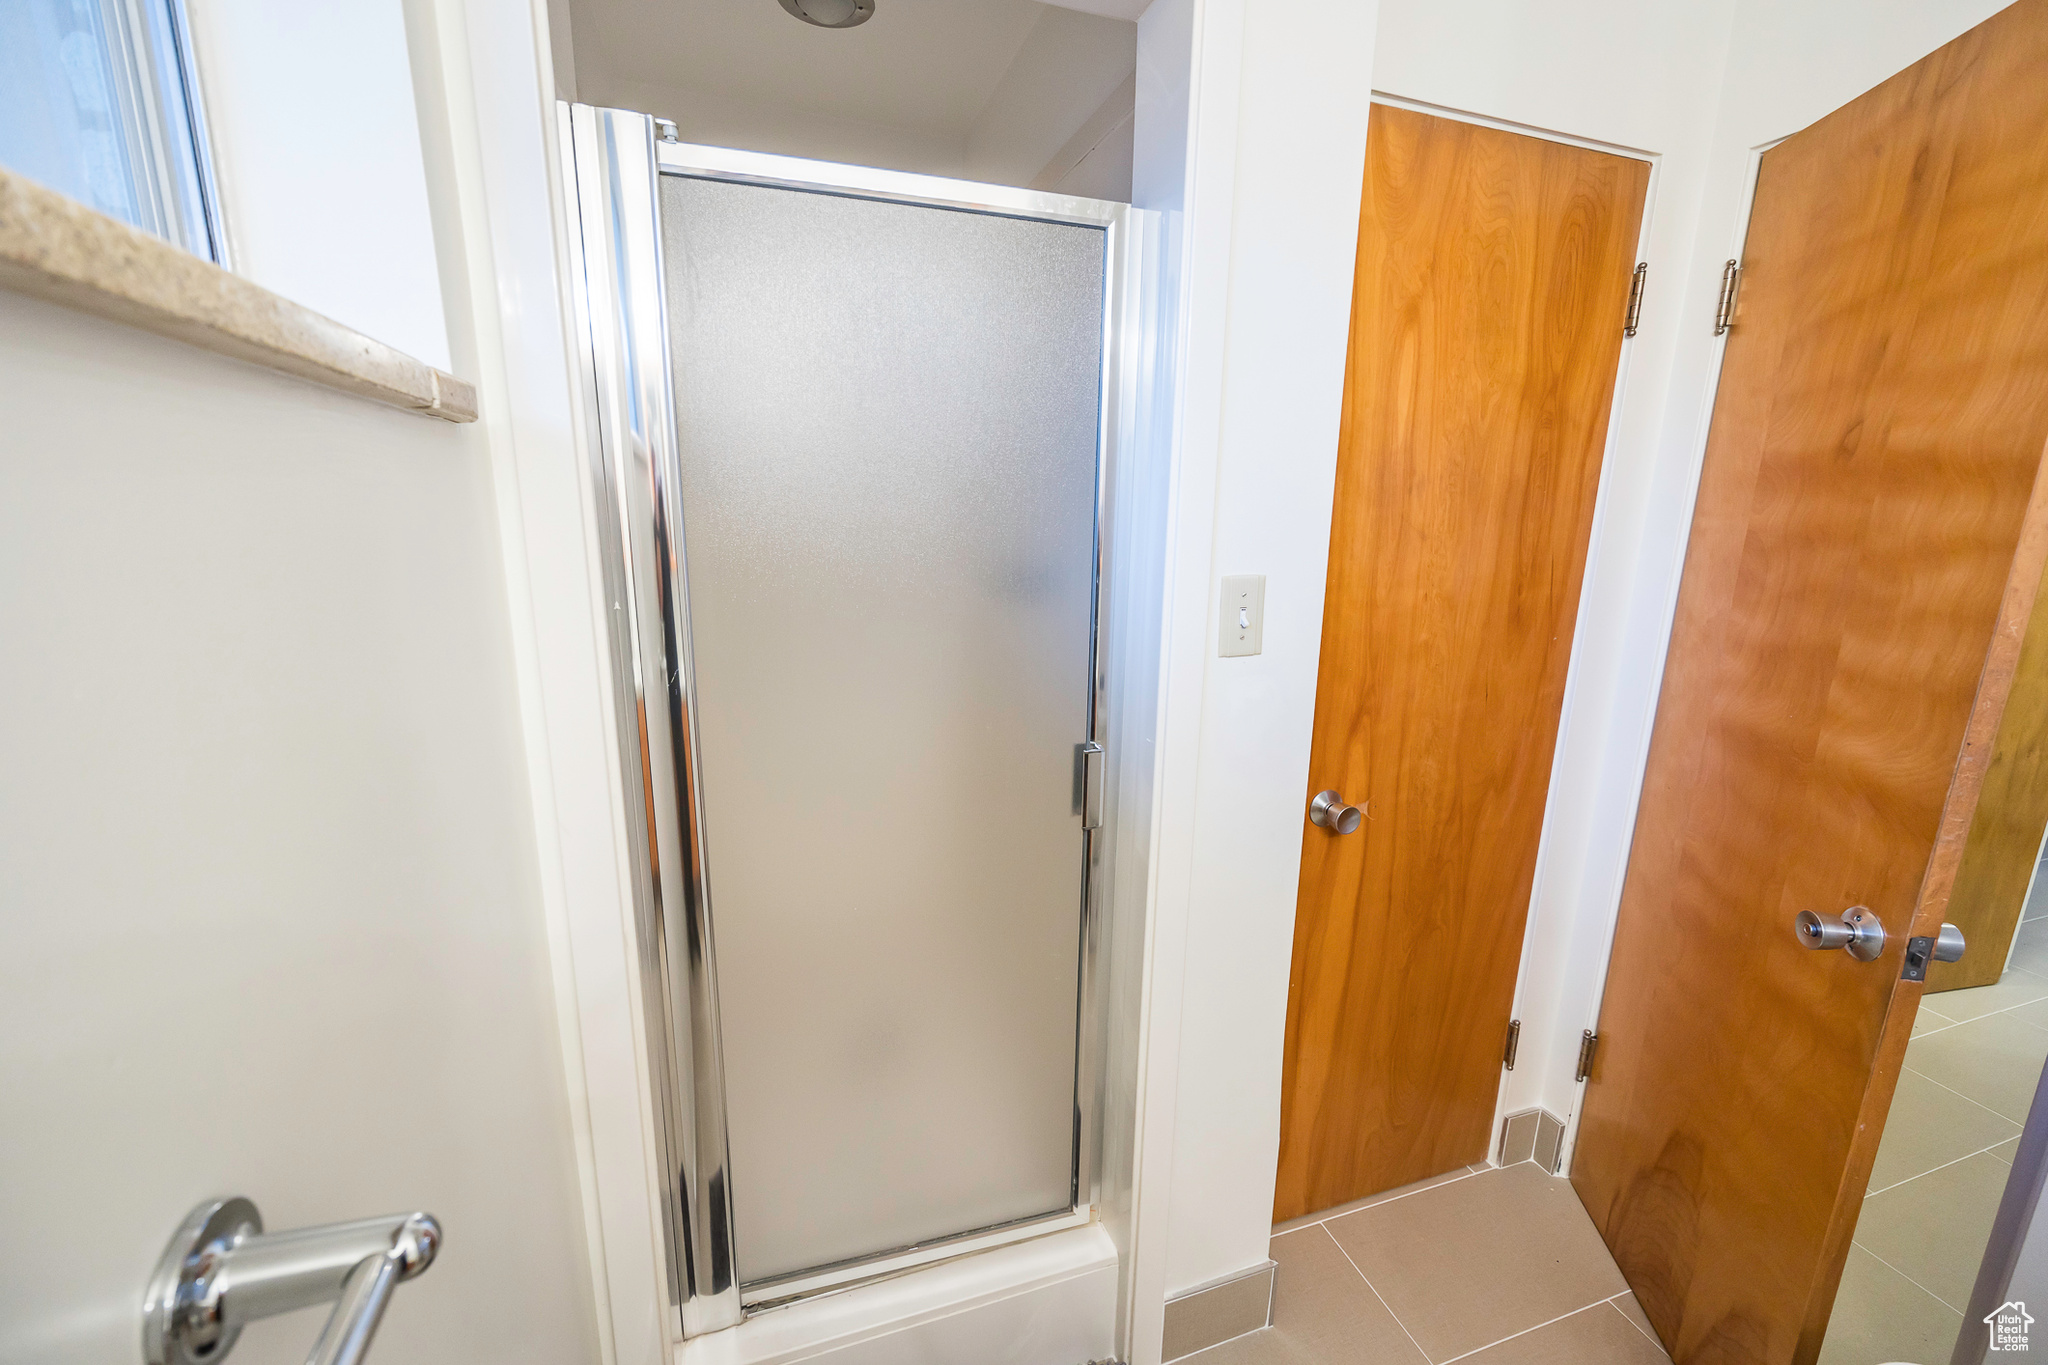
x,y
993,88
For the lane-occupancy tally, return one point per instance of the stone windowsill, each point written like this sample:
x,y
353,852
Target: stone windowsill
x,y
56,248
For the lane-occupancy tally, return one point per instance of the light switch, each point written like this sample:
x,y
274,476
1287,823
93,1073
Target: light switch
x,y
1243,626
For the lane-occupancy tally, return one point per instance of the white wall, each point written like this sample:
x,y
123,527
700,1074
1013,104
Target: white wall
x,y
482,65
275,914
1148,938
1277,145
272,924
1097,161
1068,66
318,152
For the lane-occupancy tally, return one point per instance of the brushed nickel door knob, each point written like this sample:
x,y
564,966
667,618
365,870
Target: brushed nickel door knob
x,y
1333,813
1859,930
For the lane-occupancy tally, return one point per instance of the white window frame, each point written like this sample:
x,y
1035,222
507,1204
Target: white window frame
x,y
162,118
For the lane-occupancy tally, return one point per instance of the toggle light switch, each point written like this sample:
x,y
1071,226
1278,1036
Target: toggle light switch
x,y
1243,618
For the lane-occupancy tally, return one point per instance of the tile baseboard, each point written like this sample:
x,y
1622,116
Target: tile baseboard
x,y
1532,1135
1518,1137
1549,1140
1206,1317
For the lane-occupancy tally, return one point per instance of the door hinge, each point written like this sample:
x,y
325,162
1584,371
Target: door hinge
x,y
1587,1044
1514,1041
1088,783
1635,300
1724,311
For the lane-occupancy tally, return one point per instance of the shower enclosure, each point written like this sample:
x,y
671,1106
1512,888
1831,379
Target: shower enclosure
x,y
851,434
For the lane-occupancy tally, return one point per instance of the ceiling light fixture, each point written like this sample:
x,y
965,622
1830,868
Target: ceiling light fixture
x,y
832,13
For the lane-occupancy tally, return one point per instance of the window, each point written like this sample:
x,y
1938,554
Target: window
x,y
99,101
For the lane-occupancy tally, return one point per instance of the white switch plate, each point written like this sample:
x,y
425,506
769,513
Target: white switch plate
x,y
1242,628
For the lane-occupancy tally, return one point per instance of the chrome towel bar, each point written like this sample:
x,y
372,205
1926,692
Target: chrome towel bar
x,y
222,1270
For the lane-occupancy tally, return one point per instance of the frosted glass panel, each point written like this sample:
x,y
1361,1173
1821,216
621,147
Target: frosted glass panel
x,y
888,438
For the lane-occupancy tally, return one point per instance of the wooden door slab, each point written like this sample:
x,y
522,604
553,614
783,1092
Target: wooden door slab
x,y
1857,552
1493,277
2005,832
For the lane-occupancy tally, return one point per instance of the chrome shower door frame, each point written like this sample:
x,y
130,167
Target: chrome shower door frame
x,y
630,444
613,161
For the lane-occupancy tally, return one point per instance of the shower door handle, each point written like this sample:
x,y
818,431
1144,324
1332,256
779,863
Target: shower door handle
x,y
1088,778
221,1271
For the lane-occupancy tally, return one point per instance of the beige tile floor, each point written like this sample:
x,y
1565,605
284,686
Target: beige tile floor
x,y
1485,1266
1503,1267
1948,1145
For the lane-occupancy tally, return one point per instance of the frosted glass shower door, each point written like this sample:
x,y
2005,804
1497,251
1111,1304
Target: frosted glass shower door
x,y
887,418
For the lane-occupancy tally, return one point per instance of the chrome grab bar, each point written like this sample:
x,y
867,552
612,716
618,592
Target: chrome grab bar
x,y
222,1271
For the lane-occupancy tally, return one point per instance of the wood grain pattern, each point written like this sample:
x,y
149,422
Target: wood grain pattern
x,y
1493,273
2005,833
1819,742
1931,907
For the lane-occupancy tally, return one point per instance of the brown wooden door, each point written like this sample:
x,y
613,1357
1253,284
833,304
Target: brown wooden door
x,y
1863,559
2005,832
1493,280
